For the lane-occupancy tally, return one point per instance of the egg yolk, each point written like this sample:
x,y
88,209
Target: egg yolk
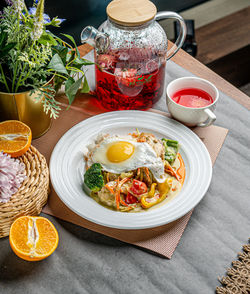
x,y
120,151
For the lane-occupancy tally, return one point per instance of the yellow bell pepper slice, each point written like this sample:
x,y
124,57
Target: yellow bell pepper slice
x,y
151,193
163,189
146,204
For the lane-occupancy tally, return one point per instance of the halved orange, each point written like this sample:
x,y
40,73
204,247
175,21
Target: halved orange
x,y
15,137
33,238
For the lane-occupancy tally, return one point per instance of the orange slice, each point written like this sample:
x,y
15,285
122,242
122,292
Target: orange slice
x,y
33,238
15,137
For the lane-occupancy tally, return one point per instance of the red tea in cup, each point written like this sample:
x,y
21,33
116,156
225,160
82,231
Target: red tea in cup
x,y
192,97
192,101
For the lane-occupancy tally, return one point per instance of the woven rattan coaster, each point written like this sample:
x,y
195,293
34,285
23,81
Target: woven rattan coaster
x,y
32,195
238,276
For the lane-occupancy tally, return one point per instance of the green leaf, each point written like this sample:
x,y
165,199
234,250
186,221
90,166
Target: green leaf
x,y
62,52
70,56
85,86
139,83
87,62
59,40
63,55
56,64
83,61
57,49
70,81
72,89
55,22
47,38
6,49
3,38
76,66
73,41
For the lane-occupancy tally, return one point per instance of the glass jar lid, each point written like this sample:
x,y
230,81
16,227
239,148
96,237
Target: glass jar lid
x,y
131,12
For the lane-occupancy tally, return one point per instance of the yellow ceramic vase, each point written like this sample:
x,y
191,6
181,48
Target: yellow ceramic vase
x,y
23,107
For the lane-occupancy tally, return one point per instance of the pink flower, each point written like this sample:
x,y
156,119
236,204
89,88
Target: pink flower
x,y
12,174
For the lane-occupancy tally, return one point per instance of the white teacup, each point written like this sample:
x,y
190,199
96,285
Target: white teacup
x,y
190,116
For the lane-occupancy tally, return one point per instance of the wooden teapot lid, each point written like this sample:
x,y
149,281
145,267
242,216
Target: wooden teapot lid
x,y
131,12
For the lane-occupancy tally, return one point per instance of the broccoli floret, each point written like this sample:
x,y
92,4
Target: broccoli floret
x,y
171,149
93,177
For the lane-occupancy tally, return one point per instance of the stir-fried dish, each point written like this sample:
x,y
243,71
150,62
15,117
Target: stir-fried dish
x,y
135,172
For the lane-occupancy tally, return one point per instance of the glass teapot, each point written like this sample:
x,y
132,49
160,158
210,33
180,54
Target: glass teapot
x,y
131,54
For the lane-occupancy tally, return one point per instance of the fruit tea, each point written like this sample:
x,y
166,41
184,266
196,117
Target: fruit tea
x,y
129,78
192,97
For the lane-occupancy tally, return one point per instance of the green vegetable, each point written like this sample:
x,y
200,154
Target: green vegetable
x,y
93,177
171,149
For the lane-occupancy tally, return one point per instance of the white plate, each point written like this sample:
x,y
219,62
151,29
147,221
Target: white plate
x,y
67,168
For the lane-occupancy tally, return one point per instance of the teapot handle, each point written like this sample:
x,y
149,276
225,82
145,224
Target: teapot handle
x,y
183,30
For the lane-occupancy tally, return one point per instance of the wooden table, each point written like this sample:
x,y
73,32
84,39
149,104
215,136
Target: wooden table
x,y
88,262
194,66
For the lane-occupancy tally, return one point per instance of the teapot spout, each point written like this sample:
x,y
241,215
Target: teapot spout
x,y
95,38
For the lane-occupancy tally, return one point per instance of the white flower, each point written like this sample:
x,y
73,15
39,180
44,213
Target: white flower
x,y
39,20
19,5
25,58
38,30
38,57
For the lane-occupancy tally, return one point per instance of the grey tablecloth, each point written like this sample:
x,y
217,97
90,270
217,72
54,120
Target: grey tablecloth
x,y
87,262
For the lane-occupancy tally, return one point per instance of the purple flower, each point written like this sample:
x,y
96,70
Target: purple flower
x,y
46,18
60,20
57,21
9,2
32,10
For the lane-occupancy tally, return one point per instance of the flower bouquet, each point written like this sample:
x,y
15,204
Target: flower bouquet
x,y
35,61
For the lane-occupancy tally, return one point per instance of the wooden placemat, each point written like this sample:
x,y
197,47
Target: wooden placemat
x,y
238,276
162,240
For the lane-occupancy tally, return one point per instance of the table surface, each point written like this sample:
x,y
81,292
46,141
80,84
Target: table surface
x,y
87,262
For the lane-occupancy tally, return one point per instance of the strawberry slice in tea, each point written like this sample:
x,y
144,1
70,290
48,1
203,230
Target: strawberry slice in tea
x,y
129,78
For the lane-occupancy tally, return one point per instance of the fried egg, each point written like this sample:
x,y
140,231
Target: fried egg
x,y
119,154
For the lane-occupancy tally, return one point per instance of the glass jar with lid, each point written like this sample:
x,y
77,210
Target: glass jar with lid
x,y
131,50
